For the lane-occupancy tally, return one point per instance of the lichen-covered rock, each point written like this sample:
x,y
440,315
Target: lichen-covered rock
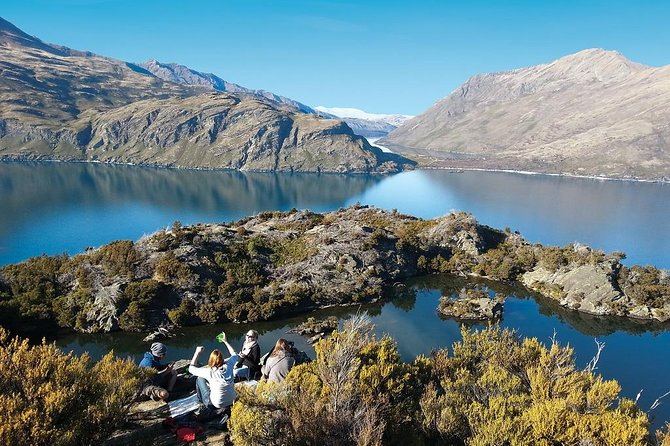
x,y
102,315
587,288
472,305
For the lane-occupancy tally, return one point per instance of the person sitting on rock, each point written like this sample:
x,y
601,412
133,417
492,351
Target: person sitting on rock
x,y
215,385
280,361
250,356
166,377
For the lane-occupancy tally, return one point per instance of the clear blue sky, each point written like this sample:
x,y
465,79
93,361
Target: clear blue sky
x,y
380,56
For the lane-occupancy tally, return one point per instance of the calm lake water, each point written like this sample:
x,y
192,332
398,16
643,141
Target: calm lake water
x,y
53,208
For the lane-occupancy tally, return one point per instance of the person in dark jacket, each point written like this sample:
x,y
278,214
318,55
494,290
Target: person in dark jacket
x,y
250,355
165,378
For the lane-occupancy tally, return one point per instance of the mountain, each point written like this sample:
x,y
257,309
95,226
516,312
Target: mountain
x,y
370,125
590,113
64,104
181,74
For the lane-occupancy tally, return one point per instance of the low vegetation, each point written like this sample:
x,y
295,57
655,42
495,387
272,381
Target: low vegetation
x,y
493,389
52,398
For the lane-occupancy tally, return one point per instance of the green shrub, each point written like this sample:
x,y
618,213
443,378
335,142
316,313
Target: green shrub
x,y
645,284
140,297
33,285
184,314
169,269
69,309
118,258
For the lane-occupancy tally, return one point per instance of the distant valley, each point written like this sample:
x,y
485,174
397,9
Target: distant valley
x,y
593,113
64,104
370,125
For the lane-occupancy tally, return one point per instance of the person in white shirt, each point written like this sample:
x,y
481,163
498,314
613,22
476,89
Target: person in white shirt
x,y
215,384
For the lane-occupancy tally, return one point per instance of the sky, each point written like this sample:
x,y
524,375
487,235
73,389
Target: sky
x,y
380,56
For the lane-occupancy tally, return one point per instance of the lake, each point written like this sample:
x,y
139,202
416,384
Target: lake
x,y
66,207
56,207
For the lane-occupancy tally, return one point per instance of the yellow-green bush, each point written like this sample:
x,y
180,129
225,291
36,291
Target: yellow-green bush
x,y
498,389
495,389
52,398
356,392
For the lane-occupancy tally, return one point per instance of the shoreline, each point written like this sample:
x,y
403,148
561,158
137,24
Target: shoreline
x,y
11,159
419,167
564,175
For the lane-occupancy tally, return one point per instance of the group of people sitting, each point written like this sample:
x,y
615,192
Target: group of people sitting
x,y
215,388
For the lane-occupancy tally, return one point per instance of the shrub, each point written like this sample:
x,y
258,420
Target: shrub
x,y
140,296
52,398
290,250
358,390
184,314
645,284
496,389
170,270
69,309
118,258
499,389
34,284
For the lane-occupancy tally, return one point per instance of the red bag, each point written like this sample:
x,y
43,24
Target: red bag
x,y
187,434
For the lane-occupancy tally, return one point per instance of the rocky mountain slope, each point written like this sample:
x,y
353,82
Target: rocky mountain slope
x,y
370,125
590,113
181,74
59,103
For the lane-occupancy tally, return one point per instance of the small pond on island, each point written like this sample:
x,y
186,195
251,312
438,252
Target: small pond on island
x,y
56,207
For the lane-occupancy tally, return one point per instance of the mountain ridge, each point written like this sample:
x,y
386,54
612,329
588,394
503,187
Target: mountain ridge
x,y
63,104
184,75
592,113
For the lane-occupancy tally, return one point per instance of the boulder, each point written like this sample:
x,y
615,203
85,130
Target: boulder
x,y
588,288
472,305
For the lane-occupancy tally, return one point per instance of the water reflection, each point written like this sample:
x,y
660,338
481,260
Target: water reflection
x,y
53,207
56,207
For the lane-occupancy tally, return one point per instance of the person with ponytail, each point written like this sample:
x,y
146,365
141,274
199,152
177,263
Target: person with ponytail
x,y
215,384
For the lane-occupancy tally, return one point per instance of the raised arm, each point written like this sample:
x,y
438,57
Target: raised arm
x,y
230,348
223,338
196,354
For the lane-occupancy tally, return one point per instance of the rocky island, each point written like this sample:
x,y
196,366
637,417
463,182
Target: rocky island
x,y
280,263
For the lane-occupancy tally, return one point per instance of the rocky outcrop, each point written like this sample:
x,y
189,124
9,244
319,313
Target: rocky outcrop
x,y
561,117
316,330
62,104
276,264
587,288
472,305
102,315
592,289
